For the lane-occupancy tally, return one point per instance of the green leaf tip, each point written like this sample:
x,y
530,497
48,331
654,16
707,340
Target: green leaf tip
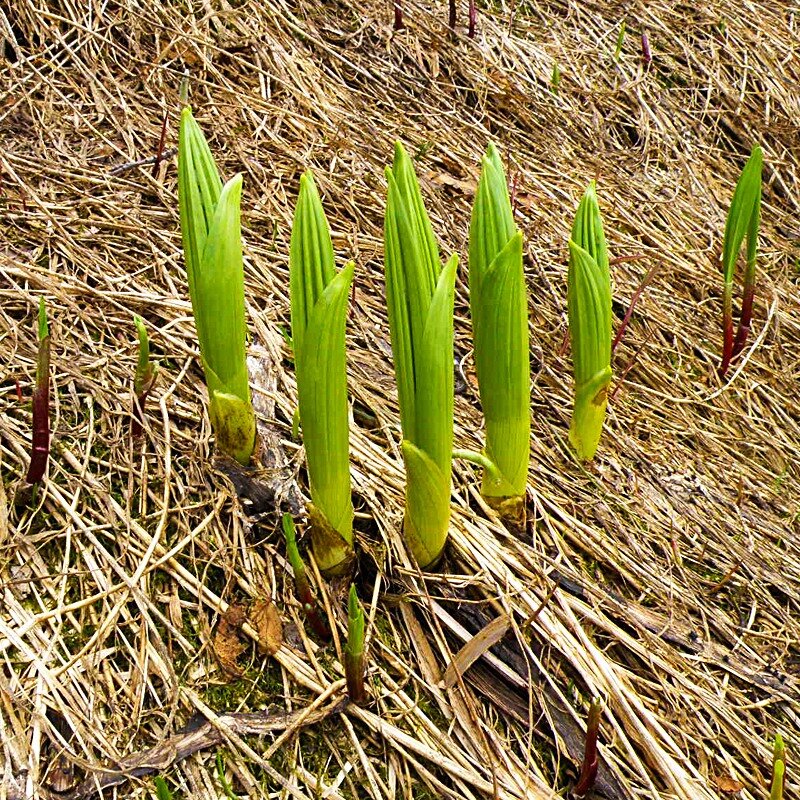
x,y
499,309
589,310
44,330
319,298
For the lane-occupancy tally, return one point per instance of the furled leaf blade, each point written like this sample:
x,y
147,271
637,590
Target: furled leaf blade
x,y
427,505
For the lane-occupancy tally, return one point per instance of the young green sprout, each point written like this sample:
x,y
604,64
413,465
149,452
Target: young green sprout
x,y
40,440
778,769
744,219
419,295
499,309
589,307
144,379
212,246
302,588
354,649
319,307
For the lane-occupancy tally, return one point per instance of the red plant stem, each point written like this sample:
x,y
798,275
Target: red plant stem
x,y
309,603
634,300
727,330
473,19
161,142
647,56
398,16
354,673
743,331
451,21
138,412
589,766
40,440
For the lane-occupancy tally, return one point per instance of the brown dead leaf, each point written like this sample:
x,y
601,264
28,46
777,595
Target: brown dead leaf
x,y
728,785
227,644
267,621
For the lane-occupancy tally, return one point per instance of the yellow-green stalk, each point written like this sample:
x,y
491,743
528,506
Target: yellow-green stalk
x,y
499,308
778,769
319,308
589,306
212,246
419,295
354,649
744,219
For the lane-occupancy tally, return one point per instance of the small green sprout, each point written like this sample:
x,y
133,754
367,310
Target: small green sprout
x,y
778,769
144,379
744,219
354,649
302,588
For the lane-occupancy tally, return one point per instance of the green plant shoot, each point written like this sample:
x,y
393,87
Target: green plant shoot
x,y
302,588
319,308
354,649
778,769
744,219
589,307
419,295
212,246
144,378
499,308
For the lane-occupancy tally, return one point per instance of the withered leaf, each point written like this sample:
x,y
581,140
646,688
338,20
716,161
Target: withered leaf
x,y
227,644
728,785
267,621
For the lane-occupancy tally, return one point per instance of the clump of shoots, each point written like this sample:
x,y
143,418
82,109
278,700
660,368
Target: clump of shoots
x,y
319,308
589,307
354,650
419,294
212,246
778,769
143,380
589,767
302,588
744,219
499,309
40,440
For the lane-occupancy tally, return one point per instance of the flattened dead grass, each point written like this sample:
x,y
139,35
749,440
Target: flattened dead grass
x,y
664,577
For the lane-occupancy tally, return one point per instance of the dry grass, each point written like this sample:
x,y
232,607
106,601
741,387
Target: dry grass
x,y
665,577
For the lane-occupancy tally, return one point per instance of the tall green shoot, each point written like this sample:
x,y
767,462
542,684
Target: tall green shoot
x,y
589,307
319,307
212,245
419,295
499,309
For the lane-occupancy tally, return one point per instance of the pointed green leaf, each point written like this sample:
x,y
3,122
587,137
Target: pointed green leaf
x,y
743,216
434,359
